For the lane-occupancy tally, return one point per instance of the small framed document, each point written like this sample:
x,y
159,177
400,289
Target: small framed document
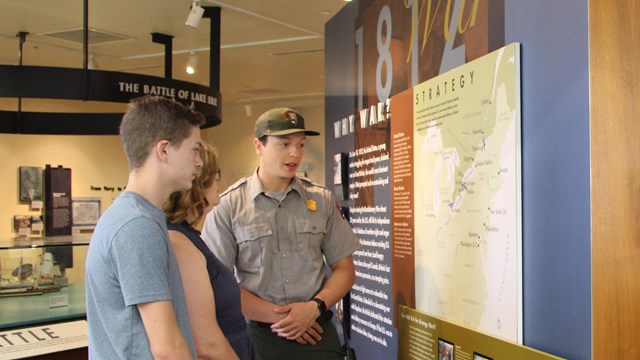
x,y
36,223
86,211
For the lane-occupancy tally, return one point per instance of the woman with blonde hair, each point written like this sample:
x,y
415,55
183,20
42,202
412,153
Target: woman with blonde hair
x,y
212,293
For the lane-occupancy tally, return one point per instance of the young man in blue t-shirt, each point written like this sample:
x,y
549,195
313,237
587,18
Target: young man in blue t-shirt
x,y
136,306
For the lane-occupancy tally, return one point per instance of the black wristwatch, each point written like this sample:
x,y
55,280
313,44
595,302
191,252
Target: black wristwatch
x,y
321,305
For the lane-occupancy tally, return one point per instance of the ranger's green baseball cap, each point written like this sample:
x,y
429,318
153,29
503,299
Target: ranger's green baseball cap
x,y
281,121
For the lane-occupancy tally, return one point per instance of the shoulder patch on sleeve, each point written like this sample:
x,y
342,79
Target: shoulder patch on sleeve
x,y
235,186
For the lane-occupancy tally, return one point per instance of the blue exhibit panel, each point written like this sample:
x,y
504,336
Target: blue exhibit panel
x,y
556,175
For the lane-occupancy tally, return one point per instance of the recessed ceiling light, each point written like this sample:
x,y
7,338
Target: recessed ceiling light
x,y
325,12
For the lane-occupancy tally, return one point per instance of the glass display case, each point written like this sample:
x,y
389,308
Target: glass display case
x,y
42,280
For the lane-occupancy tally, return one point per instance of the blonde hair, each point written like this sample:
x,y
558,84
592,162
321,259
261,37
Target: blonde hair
x,y
189,205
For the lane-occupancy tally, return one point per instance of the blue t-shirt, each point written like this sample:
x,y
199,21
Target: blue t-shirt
x,y
130,261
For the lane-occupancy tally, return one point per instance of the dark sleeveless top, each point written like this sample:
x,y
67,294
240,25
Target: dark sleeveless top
x,y
227,295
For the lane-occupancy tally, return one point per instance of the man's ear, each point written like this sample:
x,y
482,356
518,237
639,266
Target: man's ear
x,y
161,149
258,146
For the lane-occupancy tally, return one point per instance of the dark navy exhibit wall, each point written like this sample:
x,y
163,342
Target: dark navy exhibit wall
x,y
340,102
556,175
555,163
338,92
339,82
339,87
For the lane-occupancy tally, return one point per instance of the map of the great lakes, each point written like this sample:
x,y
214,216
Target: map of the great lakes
x,y
467,194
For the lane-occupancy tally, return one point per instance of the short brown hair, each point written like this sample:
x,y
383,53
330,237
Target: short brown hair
x,y
181,204
150,119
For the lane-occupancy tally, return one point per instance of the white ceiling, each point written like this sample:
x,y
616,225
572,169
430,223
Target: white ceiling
x,y
271,49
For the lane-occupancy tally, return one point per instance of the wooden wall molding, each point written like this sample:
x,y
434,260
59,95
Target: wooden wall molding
x,y
614,33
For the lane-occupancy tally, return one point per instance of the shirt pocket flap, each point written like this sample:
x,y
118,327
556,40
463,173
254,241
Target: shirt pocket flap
x,y
251,240
253,232
313,226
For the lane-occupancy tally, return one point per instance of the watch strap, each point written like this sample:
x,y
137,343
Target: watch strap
x,y
322,306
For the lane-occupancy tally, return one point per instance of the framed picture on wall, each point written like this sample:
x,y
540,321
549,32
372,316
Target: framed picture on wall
x,y
22,224
339,168
30,183
340,176
446,350
86,211
478,356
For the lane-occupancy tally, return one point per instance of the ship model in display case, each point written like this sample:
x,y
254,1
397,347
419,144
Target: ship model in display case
x,y
27,279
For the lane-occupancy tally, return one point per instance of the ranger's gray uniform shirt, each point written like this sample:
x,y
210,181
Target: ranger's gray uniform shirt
x,y
277,247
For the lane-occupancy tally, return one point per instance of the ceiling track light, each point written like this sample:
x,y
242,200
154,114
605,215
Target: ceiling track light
x,y
92,65
195,15
191,63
